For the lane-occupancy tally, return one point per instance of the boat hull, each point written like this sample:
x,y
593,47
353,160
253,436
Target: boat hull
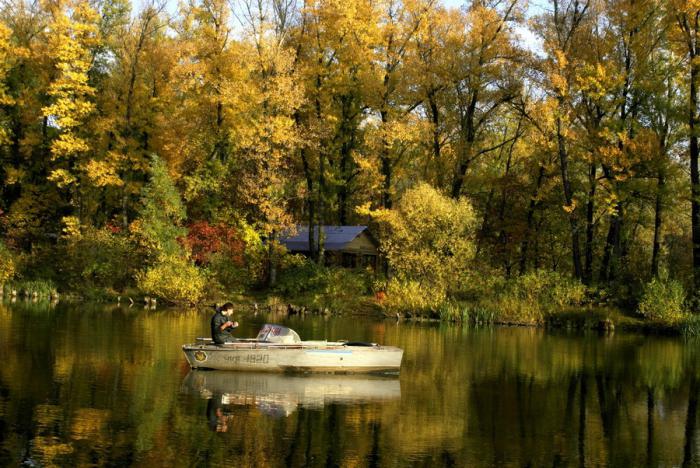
x,y
265,357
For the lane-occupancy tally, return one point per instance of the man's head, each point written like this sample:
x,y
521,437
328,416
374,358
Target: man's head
x,y
227,309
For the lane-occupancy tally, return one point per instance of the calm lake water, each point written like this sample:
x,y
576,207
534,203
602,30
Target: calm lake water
x,y
84,385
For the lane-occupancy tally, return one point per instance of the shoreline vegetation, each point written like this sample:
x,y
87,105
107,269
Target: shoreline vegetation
x,y
577,313
149,153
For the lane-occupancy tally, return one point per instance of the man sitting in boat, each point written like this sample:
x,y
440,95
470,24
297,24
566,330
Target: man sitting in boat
x,y
221,325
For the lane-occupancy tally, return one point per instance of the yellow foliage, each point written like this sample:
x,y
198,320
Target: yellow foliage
x,y
7,264
71,227
173,279
71,35
428,241
570,208
103,173
13,175
62,177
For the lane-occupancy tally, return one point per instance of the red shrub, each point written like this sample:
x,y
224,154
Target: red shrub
x,y
204,239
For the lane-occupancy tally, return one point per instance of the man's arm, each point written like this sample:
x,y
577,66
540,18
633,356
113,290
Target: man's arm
x,y
229,324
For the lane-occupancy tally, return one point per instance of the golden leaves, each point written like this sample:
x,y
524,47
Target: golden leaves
x,y
71,227
103,173
570,208
62,178
72,33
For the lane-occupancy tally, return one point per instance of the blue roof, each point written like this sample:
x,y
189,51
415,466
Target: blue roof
x,y
336,237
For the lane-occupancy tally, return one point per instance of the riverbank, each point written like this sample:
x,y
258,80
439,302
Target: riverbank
x,y
543,306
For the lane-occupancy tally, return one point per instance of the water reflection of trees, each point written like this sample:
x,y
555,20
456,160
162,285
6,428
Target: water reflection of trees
x,y
102,386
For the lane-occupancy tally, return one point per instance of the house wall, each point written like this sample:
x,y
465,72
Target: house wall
x,y
362,244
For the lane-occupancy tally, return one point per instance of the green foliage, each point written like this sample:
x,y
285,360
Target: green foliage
x,y
690,325
301,279
453,312
158,227
298,275
42,288
229,275
549,289
254,254
530,297
663,299
97,258
171,275
7,264
466,313
341,289
404,295
173,279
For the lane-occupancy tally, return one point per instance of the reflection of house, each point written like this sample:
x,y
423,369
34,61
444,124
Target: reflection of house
x,y
349,246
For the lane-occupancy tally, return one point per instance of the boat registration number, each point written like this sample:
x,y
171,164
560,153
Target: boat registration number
x,y
249,359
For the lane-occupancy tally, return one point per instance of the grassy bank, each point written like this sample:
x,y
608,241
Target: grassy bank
x,y
537,298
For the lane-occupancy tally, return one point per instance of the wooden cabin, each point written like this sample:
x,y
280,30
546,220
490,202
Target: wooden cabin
x,y
347,246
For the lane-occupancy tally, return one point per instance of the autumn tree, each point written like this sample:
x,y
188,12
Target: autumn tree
x,y
73,32
686,31
483,78
560,32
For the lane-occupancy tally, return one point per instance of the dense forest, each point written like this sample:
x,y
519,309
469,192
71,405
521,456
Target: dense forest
x,y
494,149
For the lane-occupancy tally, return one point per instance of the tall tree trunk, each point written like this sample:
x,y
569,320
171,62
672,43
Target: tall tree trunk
x,y
319,202
313,251
272,260
321,180
590,227
310,193
348,128
530,217
695,174
658,219
386,167
468,136
503,235
485,223
437,147
611,251
568,197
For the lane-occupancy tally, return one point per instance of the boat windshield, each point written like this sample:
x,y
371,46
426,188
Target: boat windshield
x,y
271,333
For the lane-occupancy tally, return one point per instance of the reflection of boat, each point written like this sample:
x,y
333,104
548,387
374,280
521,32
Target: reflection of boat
x,y
282,394
279,349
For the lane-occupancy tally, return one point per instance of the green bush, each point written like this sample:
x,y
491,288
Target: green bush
x,y
7,264
174,280
412,296
157,228
298,275
530,297
229,276
547,289
480,281
690,325
42,288
453,312
428,241
98,258
302,280
663,299
341,289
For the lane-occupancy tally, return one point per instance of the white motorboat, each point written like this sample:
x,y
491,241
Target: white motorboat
x,y
279,349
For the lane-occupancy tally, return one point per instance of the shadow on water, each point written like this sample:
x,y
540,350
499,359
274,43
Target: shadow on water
x,y
89,385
